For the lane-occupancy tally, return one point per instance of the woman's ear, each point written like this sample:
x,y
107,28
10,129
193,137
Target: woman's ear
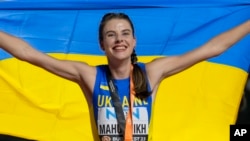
x,y
134,42
101,45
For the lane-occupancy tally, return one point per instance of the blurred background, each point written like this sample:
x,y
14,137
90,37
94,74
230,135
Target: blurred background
x,y
244,111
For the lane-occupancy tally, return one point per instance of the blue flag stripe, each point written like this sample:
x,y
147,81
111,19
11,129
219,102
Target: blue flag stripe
x,y
161,31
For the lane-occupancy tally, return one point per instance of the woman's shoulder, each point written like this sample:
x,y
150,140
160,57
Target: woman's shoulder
x,y
102,67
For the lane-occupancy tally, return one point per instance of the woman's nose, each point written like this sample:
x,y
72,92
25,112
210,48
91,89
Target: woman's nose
x,y
119,38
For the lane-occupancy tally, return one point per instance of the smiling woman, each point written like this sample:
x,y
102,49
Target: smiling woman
x,y
122,92
182,76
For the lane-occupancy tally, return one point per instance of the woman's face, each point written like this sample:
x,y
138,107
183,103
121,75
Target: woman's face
x,y
118,40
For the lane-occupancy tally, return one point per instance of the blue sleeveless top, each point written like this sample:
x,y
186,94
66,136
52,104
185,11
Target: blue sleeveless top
x,y
104,111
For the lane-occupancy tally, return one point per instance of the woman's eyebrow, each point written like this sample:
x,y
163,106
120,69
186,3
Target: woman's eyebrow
x,y
112,31
125,30
109,31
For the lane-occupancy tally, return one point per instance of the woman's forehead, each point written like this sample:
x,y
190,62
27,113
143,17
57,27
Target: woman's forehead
x,y
117,24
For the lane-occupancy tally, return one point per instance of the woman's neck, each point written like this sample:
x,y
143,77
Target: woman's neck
x,y
120,70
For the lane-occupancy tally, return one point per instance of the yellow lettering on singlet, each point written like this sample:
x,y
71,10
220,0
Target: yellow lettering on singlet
x,y
139,102
125,102
104,101
108,101
100,100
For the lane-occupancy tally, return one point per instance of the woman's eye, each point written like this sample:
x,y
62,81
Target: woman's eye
x,y
111,35
126,33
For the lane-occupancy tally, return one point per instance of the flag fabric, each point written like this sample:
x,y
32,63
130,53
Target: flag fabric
x,y
199,103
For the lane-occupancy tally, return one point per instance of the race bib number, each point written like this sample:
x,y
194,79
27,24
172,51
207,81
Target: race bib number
x,y
108,127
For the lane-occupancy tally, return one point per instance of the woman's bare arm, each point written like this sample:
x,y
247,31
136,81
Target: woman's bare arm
x,y
20,49
166,66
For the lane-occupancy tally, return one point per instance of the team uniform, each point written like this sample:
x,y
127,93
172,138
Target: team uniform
x,y
104,112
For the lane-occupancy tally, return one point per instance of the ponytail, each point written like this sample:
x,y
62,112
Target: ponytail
x,y
139,79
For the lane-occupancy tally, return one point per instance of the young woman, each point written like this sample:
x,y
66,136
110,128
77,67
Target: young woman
x,y
123,74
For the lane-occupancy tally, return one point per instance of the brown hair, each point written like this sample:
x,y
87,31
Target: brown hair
x,y
139,77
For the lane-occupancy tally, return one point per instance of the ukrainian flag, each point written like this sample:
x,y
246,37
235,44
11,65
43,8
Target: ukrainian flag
x,y
198,104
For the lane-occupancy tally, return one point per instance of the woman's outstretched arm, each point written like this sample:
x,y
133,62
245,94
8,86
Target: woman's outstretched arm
x,y
20,49
212,48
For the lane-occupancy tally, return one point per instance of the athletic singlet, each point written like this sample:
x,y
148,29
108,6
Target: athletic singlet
x,y
104,112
